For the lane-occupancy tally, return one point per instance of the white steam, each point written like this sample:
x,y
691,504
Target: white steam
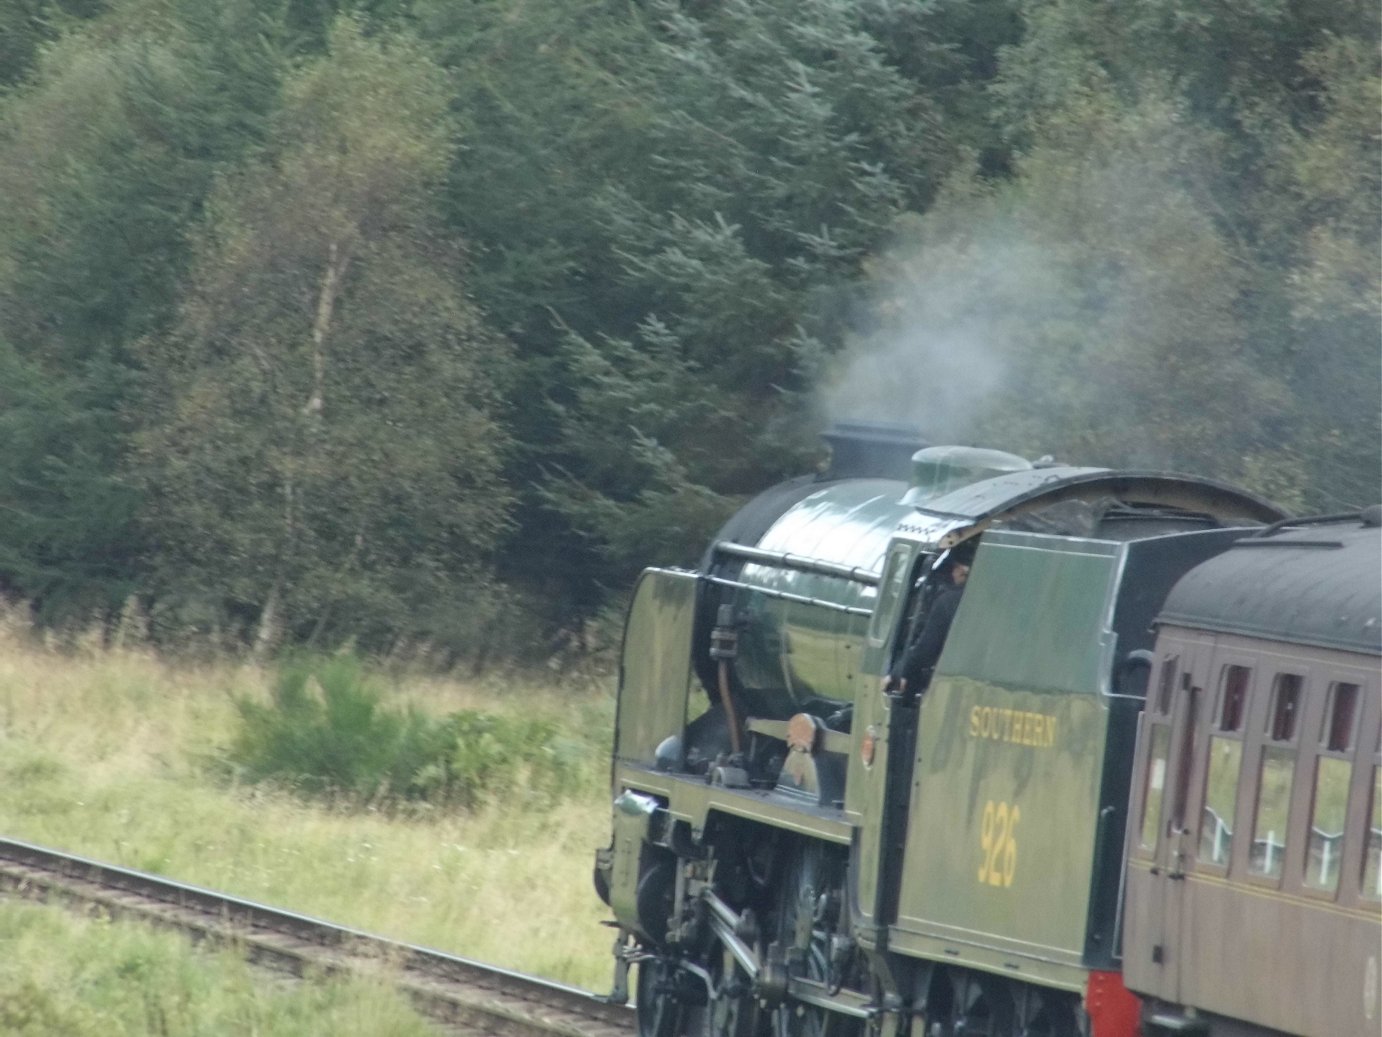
x,y
950,322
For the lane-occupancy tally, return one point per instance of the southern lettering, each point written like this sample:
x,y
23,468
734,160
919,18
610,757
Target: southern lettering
x,y
1012,725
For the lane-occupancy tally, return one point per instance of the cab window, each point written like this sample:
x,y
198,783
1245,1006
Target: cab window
x,y
891,591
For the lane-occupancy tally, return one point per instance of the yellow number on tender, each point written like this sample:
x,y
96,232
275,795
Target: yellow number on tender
x,y
998,844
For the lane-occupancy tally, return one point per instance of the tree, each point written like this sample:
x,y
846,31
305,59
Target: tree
x,y
670,204
1179,231
325,452
1086,309
65,513
107,150
1333,173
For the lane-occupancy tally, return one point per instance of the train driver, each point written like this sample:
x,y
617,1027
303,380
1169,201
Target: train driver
x,y
913,671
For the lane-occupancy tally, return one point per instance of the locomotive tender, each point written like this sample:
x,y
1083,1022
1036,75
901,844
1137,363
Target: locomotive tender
x,y
802,847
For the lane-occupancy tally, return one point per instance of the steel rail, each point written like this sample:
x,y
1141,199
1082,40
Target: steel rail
x,y
462,993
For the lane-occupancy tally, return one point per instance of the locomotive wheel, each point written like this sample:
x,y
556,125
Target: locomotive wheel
x,y
665,1000
1038,1013
804,882
981,1006
733,1011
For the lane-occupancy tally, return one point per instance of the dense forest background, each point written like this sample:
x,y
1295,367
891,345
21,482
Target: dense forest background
x,y
427,323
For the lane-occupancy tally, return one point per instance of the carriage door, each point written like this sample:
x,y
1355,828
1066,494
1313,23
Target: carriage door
x,y
1182,682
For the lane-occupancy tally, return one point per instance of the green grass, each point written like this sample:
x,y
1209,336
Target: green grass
x,y
120,756
76,976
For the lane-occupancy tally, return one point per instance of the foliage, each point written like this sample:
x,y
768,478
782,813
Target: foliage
x,y
1334,184
526,756
323,449
106,153
386,321
107,156
26,25
1155,252
68,545
670,207
327,732
1062,291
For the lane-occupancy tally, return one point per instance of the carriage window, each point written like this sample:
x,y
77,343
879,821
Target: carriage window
x,y
1273,802
1166,685
1281,721
1220,798
1329,794
1327,814
1339,718
1274,778
1156,784
1372,847
1233,696
1225,762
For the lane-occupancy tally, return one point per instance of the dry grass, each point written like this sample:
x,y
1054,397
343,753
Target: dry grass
x,y
105,753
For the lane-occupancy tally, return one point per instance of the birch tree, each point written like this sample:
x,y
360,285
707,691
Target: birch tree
x,y
326,450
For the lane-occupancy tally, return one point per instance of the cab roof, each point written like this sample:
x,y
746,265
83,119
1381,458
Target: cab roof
x,y
951,517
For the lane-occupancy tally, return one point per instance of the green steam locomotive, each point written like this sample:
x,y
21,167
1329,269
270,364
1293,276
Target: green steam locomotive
x,y
808,840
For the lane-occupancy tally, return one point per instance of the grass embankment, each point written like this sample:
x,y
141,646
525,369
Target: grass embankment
x,y
121,757
85,977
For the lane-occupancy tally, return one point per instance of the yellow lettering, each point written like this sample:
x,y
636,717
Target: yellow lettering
x,y
1001,724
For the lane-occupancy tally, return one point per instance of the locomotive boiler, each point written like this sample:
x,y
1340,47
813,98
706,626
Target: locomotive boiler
x,y
804,846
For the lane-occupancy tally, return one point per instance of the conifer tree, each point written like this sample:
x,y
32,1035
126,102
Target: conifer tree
x,y
672,202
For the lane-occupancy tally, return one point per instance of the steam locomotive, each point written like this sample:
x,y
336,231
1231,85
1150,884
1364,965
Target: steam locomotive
x,y
1026,840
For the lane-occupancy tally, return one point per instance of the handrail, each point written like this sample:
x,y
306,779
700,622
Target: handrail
x,y
801,563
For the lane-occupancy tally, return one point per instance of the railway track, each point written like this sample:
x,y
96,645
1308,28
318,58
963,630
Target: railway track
x,y
465,996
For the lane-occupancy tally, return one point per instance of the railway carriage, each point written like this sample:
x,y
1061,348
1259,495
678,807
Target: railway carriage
x,y
1254,886
802,847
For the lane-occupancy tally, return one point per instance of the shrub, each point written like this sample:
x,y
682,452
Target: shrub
x,y
326,732
499,755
